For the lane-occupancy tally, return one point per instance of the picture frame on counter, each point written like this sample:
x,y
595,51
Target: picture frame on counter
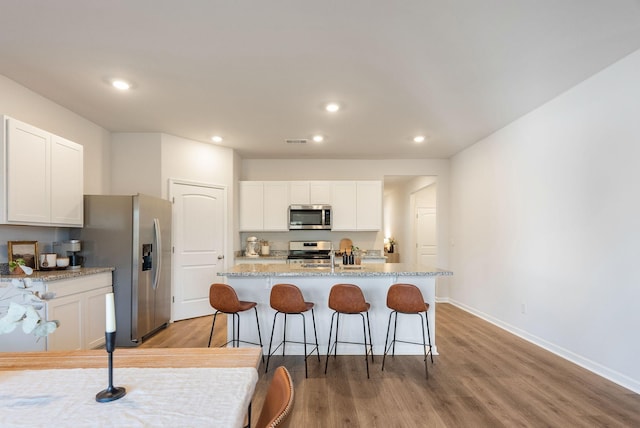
x,y
25,250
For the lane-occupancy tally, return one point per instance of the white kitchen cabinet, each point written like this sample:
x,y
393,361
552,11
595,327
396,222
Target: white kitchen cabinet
x,y
251,204
310,192
79,306
276,205
299,193
357,205
343,206
41,177
68,312
320,193
67,202
369,205
263,205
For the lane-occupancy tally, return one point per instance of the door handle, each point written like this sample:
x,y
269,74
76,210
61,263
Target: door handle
x,y
220,257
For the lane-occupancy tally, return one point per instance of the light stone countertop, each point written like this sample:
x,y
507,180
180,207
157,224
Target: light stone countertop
x,y
55,275
367,269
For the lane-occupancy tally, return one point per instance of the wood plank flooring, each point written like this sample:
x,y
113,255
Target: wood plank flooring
x,y
483,377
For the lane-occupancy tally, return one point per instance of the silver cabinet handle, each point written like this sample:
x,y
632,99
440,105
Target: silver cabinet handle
x,y
220,257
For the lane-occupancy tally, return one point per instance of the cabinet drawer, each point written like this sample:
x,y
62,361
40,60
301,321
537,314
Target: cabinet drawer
x,y
67,287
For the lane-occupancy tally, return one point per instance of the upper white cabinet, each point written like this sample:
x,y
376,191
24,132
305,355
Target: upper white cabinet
x,y
343,206
356,205
41,177
263,205
310,192
368,205
276,205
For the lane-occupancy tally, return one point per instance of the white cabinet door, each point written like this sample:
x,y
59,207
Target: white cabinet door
x,y
93,306
344,205
68,312
310,192
66,182
28,183
320,193
299,193
251,205
369,205
41,178
276,203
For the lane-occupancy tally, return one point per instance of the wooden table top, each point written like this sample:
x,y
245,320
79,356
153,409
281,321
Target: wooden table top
x,y
132,357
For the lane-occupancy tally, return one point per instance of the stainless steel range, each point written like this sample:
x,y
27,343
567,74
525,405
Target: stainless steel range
x,y
309,252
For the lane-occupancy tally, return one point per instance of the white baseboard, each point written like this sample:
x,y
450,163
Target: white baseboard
x,y
592,366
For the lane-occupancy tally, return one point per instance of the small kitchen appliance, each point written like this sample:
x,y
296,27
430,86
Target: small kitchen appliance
x,y
73,247
309,217
253,247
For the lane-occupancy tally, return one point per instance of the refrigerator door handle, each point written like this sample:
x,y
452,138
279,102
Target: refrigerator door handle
x,y
157,234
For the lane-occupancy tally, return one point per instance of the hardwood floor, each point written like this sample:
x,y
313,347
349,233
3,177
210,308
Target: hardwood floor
x,y
483,377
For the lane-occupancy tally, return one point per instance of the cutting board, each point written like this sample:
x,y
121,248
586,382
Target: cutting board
x,y
345,245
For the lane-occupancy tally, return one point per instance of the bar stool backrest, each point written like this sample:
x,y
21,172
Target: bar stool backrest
x,y
223,298
347,299
406,298
276,410
287,298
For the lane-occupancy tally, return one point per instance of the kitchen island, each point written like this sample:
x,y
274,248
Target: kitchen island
x,y
254,281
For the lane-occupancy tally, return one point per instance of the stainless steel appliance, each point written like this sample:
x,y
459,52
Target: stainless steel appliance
x,y
310,253
132,234
72,248
309,217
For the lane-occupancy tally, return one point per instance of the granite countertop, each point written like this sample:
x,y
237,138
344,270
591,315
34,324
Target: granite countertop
x,y
378,269
55,275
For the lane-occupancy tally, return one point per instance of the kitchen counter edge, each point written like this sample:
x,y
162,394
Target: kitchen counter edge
x,y
56,275
376,269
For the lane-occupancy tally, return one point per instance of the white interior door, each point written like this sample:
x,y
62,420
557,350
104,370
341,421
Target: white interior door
x,y
199,223
426,242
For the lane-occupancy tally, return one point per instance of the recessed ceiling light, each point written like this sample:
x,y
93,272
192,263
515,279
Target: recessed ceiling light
x,y
216,139
418,139
332,107
318,138
120,84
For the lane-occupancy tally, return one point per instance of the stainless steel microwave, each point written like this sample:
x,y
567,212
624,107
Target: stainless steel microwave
x,y
309,217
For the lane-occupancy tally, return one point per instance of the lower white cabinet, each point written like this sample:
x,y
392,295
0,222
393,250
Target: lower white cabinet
x,y
79,307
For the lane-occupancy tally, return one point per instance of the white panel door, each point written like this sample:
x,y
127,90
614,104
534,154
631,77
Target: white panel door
x,y
199,223
426,241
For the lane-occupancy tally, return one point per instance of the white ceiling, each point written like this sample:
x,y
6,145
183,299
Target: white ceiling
x,y
258,72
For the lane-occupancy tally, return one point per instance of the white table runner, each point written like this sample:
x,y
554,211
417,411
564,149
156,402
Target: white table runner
x,y
176,397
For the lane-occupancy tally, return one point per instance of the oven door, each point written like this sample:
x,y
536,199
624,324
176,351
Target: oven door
x,y
309,217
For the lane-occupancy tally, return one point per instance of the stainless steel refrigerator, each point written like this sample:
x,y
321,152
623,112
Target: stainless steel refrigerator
x,y
132,234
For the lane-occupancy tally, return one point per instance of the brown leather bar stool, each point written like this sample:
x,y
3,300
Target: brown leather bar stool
x,y
223,299
287,299
347,299
407,299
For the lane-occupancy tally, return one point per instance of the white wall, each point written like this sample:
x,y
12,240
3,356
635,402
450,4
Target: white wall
x,y
137,165
25,105
545,215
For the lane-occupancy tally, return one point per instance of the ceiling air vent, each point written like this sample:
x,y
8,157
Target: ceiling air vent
x,y
296,141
